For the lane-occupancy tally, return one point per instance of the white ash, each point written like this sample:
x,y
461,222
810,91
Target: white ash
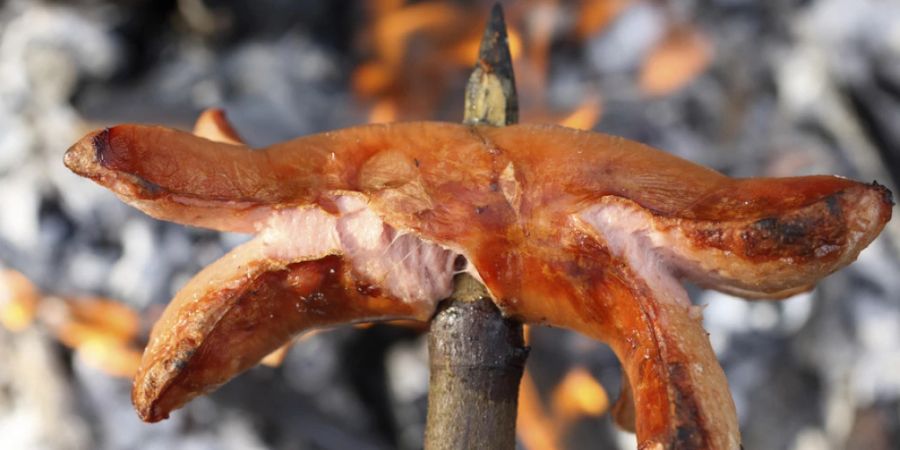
x,y
408,376
38,406
621,47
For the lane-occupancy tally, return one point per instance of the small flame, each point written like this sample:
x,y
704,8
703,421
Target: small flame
x,y
465,53
393,30
276,358
107,352
585,116
382,7
105,316
113,360
18,301
579,395
372,78
679,58
384,111
102,332
415,52
595,16
534,427
418,50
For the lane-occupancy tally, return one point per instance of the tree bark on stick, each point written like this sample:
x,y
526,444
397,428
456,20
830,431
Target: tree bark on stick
x,y
476,356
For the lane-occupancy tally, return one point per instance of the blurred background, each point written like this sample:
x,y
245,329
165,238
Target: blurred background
x,y
750,88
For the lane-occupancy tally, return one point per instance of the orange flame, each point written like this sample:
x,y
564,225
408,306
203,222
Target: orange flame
x,y
577,396
276,358
372,78
102,332
382,7
411,51
594,15
417,51
585,116
465,53
535,428
384,111
680,57
393,30
18,301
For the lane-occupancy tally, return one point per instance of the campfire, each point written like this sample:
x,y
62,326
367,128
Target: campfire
x,y
652,72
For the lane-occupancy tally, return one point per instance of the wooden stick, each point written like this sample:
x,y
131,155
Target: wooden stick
x,y
491,92
476,356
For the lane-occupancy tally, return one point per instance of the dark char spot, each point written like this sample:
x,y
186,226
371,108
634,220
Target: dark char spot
x,y
106,158
886,194
782,231
150,189
690,432
102,147
834,207
181,361
460,263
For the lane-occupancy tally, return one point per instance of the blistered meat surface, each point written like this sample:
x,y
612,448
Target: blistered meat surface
x,y
259,295
574,229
